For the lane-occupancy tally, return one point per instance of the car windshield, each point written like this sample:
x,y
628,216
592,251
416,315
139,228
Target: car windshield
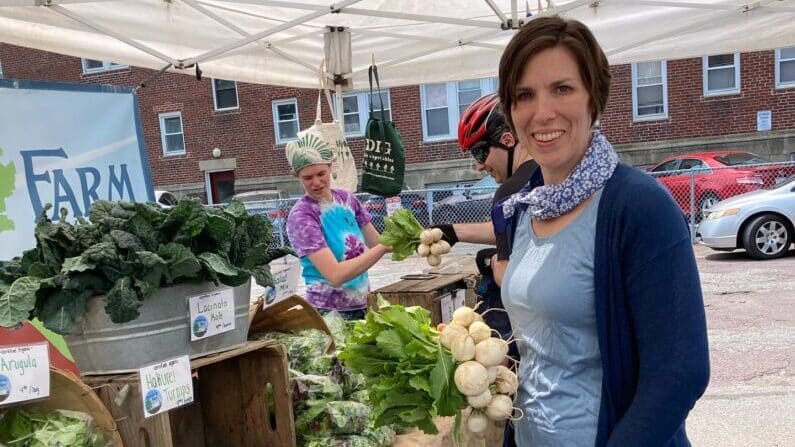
x,y
258,196
741,158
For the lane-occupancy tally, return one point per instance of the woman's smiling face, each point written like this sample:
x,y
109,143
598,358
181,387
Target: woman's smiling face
x,y
552,112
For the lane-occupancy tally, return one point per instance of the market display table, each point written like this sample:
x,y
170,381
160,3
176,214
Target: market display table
x,y
440,293
232,403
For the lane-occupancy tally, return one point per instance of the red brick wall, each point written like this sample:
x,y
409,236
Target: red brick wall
x,y
247,133
690,114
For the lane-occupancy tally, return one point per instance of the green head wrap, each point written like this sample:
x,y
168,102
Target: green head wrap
x,y
308,150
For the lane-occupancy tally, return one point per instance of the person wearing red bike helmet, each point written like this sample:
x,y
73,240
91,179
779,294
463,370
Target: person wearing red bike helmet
x,y
483,131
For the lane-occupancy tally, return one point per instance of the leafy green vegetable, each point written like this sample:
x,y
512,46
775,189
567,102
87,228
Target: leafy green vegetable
x,y
402,234
409,373
127,252
23,428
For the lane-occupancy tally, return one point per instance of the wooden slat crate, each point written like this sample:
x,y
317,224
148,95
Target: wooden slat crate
x,y
230,407
426,292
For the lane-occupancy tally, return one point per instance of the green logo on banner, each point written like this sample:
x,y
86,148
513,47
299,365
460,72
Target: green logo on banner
x,y
7,180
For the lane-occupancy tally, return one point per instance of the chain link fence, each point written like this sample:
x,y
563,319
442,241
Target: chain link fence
x,y
695,189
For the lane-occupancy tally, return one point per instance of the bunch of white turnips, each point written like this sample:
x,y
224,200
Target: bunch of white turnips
x,y
432,246
480,375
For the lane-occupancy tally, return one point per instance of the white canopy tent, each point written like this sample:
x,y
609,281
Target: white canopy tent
x,y
282,42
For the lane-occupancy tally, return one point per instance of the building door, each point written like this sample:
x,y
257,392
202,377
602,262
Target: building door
x,y
221,186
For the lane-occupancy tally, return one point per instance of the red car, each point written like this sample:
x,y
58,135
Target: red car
x,y
716,176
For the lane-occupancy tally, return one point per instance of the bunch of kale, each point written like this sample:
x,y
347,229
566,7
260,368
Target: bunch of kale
x,y
127,251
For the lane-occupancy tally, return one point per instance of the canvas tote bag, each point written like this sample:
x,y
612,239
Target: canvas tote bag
x,y
343,168
384,155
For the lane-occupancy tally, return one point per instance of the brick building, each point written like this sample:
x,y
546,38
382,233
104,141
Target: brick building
x,y
655,109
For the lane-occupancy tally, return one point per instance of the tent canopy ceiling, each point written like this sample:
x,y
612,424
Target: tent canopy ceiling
x,y
413,41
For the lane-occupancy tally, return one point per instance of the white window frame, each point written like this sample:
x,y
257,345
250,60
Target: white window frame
x,y
487,85
779,84
363,109
106,66
162,117
635,86
215,97
1,70
274,105
705,70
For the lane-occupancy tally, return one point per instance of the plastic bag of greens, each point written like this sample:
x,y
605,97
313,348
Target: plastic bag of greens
x,y
310,387
19,427
362,396
339,328
320,365
382,436
341,441
302,346
323,418
351,382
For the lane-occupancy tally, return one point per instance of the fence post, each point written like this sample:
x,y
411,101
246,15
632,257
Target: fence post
x,y
429,205
692,207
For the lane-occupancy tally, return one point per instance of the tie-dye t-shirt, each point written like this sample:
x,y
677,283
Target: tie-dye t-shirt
x,y
337,225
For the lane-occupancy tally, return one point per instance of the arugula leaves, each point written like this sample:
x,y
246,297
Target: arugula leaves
x,y
409,373
127,252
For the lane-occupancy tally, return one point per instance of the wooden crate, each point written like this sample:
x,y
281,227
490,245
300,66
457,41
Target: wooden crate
x,y
230,407
428,291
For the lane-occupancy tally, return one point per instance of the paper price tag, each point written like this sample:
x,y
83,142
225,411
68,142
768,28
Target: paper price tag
x,y
447,308
24,373
166,385
392,204
211,313
460,296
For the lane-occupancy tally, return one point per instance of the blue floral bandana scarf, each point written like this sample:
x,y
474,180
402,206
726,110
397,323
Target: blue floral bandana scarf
x,y
550,201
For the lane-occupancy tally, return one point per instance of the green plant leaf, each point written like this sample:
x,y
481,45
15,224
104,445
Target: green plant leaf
x,y
391,343
76,264
181,261
60,309
153,267
235,208
100,210
126,241
262,275
20,299
218,264
122,302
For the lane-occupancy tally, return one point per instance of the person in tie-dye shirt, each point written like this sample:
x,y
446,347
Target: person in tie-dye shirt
x,y
331,232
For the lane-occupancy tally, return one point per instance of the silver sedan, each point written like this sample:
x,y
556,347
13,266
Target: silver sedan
x,y
762,222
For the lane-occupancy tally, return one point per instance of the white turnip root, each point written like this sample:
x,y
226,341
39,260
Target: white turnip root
x,y
477,422
434,260
464,316
500,408
423,250
491,351
492,370
437,249
479,331
436,234
451,333
426,237
471,378
481,400
463,349
506,381
445,247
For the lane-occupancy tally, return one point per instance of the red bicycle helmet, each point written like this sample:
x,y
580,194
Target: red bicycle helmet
x,y
482,120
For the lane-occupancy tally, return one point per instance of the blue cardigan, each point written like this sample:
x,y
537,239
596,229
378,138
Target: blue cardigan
x,y
649,313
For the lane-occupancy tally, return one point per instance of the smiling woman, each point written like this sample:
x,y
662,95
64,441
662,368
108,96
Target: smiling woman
x,y
608,358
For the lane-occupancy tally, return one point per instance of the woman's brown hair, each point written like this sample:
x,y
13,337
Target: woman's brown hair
x,y
547,32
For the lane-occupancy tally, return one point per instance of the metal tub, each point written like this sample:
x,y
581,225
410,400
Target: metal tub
x,y
162,331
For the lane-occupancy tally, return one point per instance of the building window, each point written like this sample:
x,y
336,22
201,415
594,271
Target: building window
x,y
785,67
285,117
224,94
356,110
1,71
649,91
722,74
95,66
171,133
442,105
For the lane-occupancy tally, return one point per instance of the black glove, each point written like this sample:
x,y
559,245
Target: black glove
x,y
483,260
448,233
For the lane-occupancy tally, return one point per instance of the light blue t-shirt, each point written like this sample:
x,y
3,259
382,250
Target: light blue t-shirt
x,y
548,292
